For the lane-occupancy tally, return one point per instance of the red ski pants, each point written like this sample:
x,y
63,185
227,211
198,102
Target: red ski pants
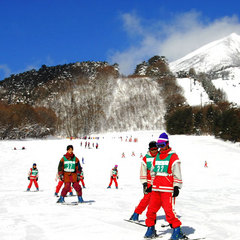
x,y
158,200
31,182
113,179
67,187
58,187
143,203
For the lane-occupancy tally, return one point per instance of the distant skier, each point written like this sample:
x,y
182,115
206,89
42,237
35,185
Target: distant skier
x,y
33,177
59,185
114,177
69,170
145,179
167,181
205,164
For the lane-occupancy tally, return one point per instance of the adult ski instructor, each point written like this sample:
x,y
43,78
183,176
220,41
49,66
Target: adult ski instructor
x,y
167,181
69,170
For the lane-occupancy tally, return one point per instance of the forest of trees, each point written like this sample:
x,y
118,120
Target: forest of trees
x,y
85,98
22,120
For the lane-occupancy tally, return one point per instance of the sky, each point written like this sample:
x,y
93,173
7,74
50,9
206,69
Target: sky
x,y
52,32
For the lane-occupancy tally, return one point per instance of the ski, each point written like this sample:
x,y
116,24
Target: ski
x,y
89,202
136,222
156,236
187,238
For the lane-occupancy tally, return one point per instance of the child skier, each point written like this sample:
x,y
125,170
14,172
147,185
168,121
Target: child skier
x,y
167,181
145,179
33,177
114,177
59,185
69,170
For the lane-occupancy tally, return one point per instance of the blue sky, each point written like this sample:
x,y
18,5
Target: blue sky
x,y
52,32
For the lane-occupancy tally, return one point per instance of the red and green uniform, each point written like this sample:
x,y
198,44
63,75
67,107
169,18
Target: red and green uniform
x,y
33,174
166,173
114,176
69,166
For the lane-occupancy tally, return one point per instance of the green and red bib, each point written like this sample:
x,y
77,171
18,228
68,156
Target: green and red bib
x,y
69,165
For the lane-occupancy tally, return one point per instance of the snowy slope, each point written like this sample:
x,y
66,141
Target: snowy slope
x,y
212,56
208,204
230,85
193,92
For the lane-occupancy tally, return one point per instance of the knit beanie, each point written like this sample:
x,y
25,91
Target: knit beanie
x,y
163,138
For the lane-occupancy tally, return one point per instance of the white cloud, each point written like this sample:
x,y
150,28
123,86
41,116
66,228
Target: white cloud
x,y
174,39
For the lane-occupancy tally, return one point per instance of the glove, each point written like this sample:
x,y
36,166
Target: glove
x,y
28,178
117,177
149,189
78,177
61,177
145,188
37,178
175,191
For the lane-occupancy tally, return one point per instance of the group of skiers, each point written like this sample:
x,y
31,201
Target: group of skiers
x,y
160,175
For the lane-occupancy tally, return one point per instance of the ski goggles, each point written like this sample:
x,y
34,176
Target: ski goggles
x,y
154,148
162,144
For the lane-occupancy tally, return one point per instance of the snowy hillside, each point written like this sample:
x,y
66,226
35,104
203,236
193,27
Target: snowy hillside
x,y
211,57
208,204
230,85
193,92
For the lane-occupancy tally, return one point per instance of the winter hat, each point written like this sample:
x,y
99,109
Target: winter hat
x,y
163,139
34,164
152,144
116,166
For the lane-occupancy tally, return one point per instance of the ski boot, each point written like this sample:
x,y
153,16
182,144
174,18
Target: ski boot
x,y
109,187
71,194
28,189
151,232
55,194
61,200
80,199
37,189
84,187
116,187
134,217
177,234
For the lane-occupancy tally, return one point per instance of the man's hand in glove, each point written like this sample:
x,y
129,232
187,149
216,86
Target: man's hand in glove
x,y
61,177
145,188
175,191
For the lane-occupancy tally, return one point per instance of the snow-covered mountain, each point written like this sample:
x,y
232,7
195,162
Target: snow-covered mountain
x,y
214,56
219,58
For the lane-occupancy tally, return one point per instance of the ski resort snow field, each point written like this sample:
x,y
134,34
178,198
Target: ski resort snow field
x,y
208,203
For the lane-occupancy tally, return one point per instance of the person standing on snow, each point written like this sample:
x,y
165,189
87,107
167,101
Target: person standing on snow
x,y
114,177
69,170
167,181
145,178
33,177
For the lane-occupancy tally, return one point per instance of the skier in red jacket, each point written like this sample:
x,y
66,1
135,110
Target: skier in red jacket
x,y
145,178
114,177
167,181
33,177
